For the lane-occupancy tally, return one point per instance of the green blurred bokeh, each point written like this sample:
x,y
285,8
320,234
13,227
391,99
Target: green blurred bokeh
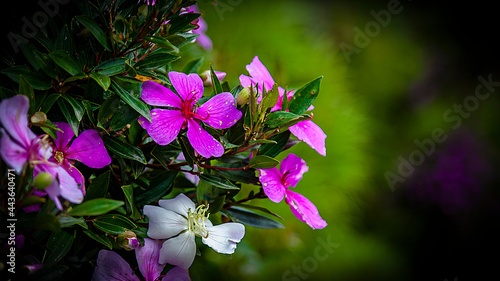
x,y
373,105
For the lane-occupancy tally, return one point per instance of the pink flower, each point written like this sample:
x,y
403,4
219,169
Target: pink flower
x,y
276,184
306,131
87,148
203,40
219,112
20,146
111,266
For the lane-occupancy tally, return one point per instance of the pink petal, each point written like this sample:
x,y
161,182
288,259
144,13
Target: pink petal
x,y
14,119
293,167
189,87
177,274
54,192
112,267
148,259
204,143
63,137
89,149
144,123
310,133
203,40
165,126
76,174
179,251
260,74
68,186
220,111
304,210
272,185
13,153
158,95
246,81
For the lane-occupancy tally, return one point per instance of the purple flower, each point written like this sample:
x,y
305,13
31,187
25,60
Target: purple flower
x,y
219,112
87,148
111,266
306,131
276,185
147,2
20,146
203,40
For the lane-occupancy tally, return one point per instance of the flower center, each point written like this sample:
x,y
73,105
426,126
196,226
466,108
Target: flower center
x,y
196,220
187,107
59,156
40,151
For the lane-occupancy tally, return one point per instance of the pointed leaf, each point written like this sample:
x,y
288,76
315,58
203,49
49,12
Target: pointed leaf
x,y
99,237
124,149
304,97
132,100
58,246
159,186
103,80
218,181
250,218
95,207
96,30
66,62
263,162
113,224
98,187
26,89
193,66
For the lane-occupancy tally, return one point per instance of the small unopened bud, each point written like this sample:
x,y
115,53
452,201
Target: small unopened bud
x,y
207,77
243,96
128,240
39,117
43,180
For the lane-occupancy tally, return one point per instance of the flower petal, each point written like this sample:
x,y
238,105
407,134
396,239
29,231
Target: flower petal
x,y
158,95
204,143
179,251
294,167
165,126
111,266
223,237
246,81
144,122
13,153
189,87
304,210
54,192
203,40
220,111
148,259
271,183
177,274
310,133
14,119
63,137
89,149
68,186
76,174
164,223
260,74
180,204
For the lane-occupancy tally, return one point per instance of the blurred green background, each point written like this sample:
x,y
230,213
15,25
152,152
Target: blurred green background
x,y
395,89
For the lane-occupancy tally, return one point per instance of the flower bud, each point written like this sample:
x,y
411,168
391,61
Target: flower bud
x,y
43,180
207,77
243,96
128,240
39,117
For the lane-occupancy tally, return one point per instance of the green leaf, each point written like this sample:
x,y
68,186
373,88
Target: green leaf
x,y
218,181
113,224
69,114
90,111
77,106
193,66
181,22
111,67
66,62
103,80
155,60
164,153
258,208
124,149
26,89
132,100
99,237
262,141
95,207
158,187
247,176
187,150
94,28
250,218
70,221
277,118
37,81
58,246
45,221
48,102
215,82
98,187
128,191
163,43
263,162
272,150
304,97
270,99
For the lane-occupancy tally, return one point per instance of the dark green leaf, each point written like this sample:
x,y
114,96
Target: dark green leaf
x,y
263,162
252,219
113,224
45,221
94,28
158,187
103,80
69,114
48,102
272,150
66,62
164,154
70,221
258,208
304,97
218,181
99,237
155,60
26,89
215,82
77,106
162,42
95,207
128,191
277,118
58,246
182,22
187,150
37,81
193,66
124,149
132,100
247,176
98,187
111,67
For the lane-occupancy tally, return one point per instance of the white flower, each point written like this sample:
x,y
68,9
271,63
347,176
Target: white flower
x,y
178,220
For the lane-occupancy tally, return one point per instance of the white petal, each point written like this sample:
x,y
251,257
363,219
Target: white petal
x,y
179,250
163,223
180,204
223,237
